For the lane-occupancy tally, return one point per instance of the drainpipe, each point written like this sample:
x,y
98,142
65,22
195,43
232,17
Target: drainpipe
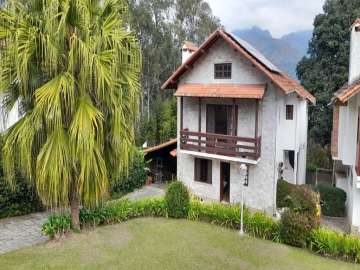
x,y
275,161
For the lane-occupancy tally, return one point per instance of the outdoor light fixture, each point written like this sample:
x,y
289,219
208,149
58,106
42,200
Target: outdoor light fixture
x,y
243,175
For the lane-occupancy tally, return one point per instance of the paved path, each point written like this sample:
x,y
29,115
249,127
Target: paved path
x,y
335,223
154,190
23,231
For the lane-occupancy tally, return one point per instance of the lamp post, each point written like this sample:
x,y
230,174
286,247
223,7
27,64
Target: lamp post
x,y
243,174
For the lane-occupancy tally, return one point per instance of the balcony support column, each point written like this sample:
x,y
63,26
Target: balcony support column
x,y
257,119
199,120
181,113
233,116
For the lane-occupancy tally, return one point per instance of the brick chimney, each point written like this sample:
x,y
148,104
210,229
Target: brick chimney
x,y
187,50
354,70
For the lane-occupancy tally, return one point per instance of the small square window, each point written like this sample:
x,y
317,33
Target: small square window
x,y
289,112
222,71
203,170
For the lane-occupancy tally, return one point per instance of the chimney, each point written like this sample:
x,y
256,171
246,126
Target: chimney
x,y
354,70
187,50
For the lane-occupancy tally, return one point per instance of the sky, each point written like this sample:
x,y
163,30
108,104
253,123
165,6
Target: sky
x,y
280,17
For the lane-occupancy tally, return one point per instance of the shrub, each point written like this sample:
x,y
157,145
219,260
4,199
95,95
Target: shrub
x,y
122,210
20,200
135,178
302,216
295,228
298,198
57,225
262,226
284,189
177,200
335,244
216,213
110,213
332,200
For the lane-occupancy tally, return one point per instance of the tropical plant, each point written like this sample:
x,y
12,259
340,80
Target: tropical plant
x,y
73,67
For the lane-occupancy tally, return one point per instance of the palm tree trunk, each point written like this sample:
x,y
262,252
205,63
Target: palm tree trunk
x,y
75,209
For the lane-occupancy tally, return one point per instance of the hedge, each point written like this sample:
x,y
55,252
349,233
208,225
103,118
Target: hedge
x,y
257,224
19,200
332,200
335,244
134,179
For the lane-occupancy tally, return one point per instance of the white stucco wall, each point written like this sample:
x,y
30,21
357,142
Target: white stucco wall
x,y
7,121
354,67
347,145
243,72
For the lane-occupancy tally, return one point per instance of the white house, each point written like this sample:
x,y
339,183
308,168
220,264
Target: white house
x,y
235,107
345,145
7,120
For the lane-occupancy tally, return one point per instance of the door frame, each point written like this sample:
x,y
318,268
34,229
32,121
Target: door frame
x,y
222,180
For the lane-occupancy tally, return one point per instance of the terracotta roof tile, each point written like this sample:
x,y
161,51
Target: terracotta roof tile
x,y
282,80
347,91
255,91
189,45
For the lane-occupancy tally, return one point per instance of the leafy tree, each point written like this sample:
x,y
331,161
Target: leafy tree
x,y
74,69
162,124
162,27
325,69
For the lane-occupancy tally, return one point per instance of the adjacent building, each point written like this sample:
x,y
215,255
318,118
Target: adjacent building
x,y
234,107
345,145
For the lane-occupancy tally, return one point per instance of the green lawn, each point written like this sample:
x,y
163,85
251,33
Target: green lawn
x,y
165,244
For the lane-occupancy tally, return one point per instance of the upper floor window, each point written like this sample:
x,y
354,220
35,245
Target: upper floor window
x,y
289,112
222,71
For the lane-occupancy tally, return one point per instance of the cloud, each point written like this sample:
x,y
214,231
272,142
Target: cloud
x,y
278,16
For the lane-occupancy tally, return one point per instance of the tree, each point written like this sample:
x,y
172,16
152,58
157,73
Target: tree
x,y
74,69
325,69
162,27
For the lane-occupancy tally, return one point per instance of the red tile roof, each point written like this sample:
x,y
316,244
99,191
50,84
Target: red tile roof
x,y
160,146
280,79
357,21
189,45
347,91
255,91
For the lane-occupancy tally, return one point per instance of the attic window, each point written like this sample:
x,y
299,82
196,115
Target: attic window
x,y
222,71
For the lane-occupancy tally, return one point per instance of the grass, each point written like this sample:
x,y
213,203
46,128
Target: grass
x,y
150,243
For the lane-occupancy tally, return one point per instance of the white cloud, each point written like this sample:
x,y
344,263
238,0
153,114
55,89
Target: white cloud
x,y
278,16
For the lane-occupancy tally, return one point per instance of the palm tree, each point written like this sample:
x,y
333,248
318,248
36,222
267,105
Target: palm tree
x,y
73,68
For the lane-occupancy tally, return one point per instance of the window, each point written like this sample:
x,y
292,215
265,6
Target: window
x,y
289,112
203,170
222,71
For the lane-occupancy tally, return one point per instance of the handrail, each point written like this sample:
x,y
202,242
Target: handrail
x,y
227,145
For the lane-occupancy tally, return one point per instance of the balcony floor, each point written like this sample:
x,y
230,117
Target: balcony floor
x,y
220,157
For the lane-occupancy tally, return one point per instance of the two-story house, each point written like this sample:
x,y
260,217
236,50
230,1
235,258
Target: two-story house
x,y
234,107
345,144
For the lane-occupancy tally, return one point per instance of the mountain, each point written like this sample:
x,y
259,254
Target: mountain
x,y
284,52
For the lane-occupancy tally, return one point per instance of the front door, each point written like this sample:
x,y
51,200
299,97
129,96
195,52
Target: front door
x,y
224,182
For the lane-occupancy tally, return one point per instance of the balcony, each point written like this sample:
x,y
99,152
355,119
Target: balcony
x,y
237,148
